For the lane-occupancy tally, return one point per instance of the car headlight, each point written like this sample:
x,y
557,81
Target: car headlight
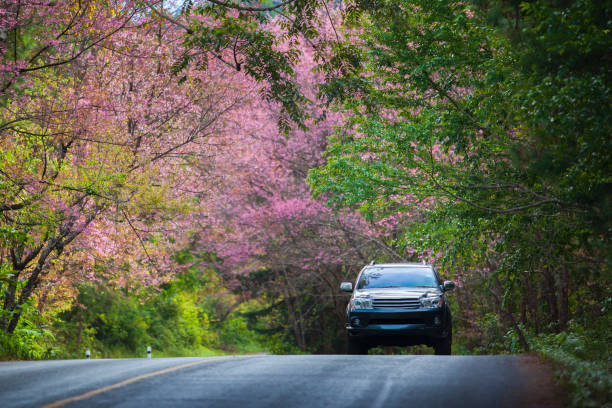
x,y
432,301
361,303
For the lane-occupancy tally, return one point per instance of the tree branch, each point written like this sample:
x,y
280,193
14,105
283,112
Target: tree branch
x,y
251,8
166,17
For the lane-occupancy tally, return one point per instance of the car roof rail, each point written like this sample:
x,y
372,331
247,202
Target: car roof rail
x,y
372,262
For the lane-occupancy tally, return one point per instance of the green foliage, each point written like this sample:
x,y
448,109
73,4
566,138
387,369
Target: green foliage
x,y
491,138
265,49
116,317
485,127
410,350
524,134
583,361
32,339
278,343
191,316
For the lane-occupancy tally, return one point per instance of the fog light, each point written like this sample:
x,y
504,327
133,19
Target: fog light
x,y
437,321
356,321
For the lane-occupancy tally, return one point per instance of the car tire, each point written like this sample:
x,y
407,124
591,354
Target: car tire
x,y
356,347
443,346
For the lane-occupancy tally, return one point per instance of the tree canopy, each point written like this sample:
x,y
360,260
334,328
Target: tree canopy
x,y
281,145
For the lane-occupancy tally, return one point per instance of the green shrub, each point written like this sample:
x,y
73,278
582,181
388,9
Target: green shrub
x,y
31,340
582,361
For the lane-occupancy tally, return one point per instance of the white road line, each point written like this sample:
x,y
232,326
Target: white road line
x,y
383,394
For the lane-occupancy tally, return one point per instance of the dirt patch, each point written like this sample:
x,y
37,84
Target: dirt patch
x,y
540,386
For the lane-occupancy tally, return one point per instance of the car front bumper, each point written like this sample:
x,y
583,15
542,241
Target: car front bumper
x,y
425,323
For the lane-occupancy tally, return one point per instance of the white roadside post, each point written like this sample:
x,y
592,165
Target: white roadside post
x,y
87,354
148,351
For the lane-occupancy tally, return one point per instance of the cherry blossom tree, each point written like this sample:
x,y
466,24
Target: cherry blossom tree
x,y
258,215
95,157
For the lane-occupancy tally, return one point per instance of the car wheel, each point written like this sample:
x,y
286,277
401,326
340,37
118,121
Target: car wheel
x,y
443,346
356,347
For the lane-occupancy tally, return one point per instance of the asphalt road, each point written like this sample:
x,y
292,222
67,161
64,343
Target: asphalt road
x,y
281,381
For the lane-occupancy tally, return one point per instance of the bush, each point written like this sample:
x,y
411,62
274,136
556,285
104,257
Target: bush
x,y
582,361
31,340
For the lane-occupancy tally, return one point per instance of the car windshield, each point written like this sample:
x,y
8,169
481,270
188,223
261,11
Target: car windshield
x,y
397,277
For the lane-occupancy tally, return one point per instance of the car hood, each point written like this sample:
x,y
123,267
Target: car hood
x,y
395,292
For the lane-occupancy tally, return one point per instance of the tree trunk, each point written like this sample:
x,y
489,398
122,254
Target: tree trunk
x,y
78,345
550,296
66,235
293,316
533,303
563,294
507,313
9,302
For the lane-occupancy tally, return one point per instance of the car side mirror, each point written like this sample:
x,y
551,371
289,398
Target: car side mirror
x,y
346,287
448,286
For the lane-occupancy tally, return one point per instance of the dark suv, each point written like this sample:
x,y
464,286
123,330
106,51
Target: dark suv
x,y
401,304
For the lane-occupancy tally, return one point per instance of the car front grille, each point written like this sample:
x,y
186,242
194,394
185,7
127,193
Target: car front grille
x,y
398,303
396,321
